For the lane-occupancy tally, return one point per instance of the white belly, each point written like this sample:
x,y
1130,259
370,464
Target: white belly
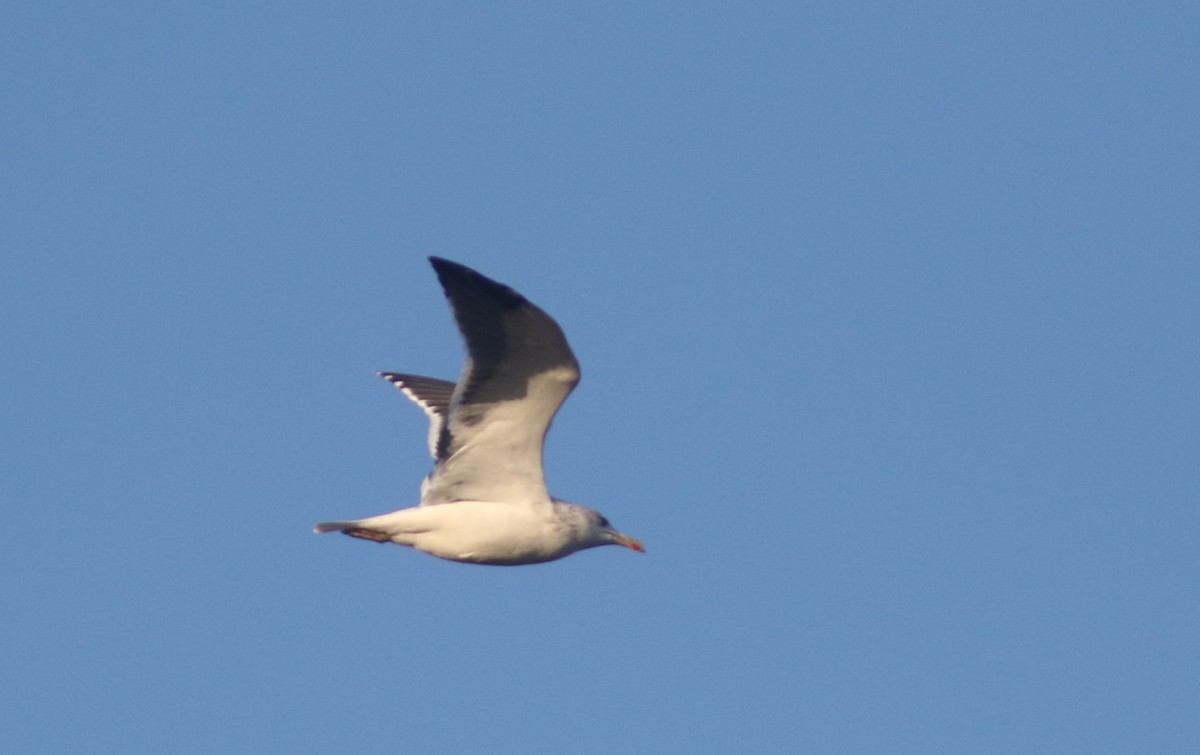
x,y
481,532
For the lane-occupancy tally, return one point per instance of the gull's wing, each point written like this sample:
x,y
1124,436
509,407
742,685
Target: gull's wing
x,y
431,394
519,370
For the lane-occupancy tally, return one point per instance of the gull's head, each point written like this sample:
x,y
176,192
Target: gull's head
x,y
588,528
601,532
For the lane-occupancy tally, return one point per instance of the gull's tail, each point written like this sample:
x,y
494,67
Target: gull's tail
x,y
353,529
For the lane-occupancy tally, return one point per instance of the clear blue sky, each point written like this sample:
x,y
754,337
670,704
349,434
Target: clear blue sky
x,y
888,316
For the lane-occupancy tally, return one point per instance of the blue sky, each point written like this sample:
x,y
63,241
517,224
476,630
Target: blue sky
x,y
888,322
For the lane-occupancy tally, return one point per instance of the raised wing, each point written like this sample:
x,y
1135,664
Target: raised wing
x,y
518,372
431,394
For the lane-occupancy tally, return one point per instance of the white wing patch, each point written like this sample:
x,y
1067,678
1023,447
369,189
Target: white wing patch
x,y
496,449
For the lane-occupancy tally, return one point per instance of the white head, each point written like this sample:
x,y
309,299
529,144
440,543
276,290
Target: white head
x,y
591,529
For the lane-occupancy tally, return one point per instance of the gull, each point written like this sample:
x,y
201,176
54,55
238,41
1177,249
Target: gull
x,y
485,502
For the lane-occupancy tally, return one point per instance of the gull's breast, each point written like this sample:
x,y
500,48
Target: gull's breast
x,y
484,532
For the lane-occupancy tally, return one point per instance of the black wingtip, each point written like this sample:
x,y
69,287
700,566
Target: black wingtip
x,y
448,269
443,266
456,277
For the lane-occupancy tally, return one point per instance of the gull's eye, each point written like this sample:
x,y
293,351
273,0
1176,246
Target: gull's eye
x,y
604,522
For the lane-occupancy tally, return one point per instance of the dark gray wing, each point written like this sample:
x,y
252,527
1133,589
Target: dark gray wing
x,y
431,394
518,372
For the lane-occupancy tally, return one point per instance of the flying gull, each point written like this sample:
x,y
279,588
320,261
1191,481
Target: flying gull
x,y
485,502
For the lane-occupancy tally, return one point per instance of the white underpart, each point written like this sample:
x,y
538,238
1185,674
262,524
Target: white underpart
x,y
480,532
